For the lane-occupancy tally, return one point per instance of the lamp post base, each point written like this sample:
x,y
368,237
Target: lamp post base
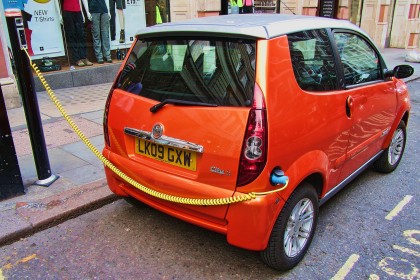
x,y
47,182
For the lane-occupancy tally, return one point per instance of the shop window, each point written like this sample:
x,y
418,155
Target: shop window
x,y
264,6
157,11
414,11
383,14
413,40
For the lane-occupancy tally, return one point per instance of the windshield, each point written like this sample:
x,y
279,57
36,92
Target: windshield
x,y
214,71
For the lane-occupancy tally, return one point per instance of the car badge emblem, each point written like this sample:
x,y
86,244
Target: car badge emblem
x,y
157,131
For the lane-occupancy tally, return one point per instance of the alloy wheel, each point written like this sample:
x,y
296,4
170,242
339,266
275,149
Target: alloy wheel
x,y
396,147
298,227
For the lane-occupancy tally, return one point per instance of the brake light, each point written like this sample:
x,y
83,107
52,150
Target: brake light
x,y
105,121
254,147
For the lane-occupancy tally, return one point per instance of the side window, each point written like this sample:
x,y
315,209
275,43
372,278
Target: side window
x,y
312,60
360,61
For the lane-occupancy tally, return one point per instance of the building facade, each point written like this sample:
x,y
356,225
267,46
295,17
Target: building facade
x,y
390,23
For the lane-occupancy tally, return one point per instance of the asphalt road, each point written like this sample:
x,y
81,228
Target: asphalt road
x,y
370,230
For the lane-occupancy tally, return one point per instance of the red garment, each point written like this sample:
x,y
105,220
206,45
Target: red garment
x,y
28,37
71,6
248,3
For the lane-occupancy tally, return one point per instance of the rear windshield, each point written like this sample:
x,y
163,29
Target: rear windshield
x,y
215,71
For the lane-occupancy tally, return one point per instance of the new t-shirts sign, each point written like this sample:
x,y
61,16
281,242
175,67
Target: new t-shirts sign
x,y
43,29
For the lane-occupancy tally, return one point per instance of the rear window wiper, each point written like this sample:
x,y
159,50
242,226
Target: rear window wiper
x,y
156,107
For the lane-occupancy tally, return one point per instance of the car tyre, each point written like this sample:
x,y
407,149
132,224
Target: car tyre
x,y
391,157
294,229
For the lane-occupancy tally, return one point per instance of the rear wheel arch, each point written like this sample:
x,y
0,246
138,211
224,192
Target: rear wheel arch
x,y
312,168
316,180
281,252
405,118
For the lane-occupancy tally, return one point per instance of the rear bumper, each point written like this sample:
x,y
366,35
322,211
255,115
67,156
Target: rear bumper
x,y
246,224
250,223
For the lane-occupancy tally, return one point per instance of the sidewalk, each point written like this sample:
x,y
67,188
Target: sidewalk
x,y
394,57
82,185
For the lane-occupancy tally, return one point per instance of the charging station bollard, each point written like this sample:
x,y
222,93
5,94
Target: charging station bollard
x,y
26,86
10,179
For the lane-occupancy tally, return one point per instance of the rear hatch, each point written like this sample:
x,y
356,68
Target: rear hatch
x,y
180,108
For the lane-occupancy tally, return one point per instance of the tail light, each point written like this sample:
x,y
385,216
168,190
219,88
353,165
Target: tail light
x,y
106,111
254,148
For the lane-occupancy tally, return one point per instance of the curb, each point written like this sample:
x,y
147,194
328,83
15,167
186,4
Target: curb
x,y
412,79
30,217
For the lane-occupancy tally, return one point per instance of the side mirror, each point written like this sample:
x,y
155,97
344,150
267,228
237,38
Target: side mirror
x,y
403,71
388,73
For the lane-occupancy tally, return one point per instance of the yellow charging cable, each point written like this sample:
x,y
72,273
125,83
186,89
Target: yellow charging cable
x,y
125,177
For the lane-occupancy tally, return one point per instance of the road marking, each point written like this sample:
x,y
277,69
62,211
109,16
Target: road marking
x,y
1,275
387,265
373,277
406,250
409,235
23,260
345,269
27,259
398,208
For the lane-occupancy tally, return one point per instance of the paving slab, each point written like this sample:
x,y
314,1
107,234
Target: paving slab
x,y
17,118
83,175
78,100
62,161
394,57
56,134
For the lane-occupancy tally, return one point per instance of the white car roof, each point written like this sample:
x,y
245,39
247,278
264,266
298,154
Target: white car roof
x,y
264,26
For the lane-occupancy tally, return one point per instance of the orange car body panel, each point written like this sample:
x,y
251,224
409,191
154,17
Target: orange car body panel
x,y
320,145
162,177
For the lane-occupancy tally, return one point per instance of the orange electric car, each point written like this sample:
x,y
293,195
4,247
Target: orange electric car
x,y
246,124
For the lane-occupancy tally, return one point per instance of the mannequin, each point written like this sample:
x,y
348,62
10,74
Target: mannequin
x,y
118,5
247,6
73,20
121,19
99,14
161,7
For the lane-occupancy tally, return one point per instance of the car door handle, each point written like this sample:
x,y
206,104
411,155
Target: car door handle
x,y
354,102
349,106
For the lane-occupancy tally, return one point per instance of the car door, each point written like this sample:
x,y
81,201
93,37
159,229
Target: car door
x,y
370,103
315,115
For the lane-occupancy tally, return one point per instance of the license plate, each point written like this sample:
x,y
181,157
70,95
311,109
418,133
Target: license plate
x,y
175,156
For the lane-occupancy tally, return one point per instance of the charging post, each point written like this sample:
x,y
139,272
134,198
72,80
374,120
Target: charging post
x,y
10,178
25,82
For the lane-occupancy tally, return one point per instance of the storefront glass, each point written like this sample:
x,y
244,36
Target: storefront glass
x,y
46,32
157,11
